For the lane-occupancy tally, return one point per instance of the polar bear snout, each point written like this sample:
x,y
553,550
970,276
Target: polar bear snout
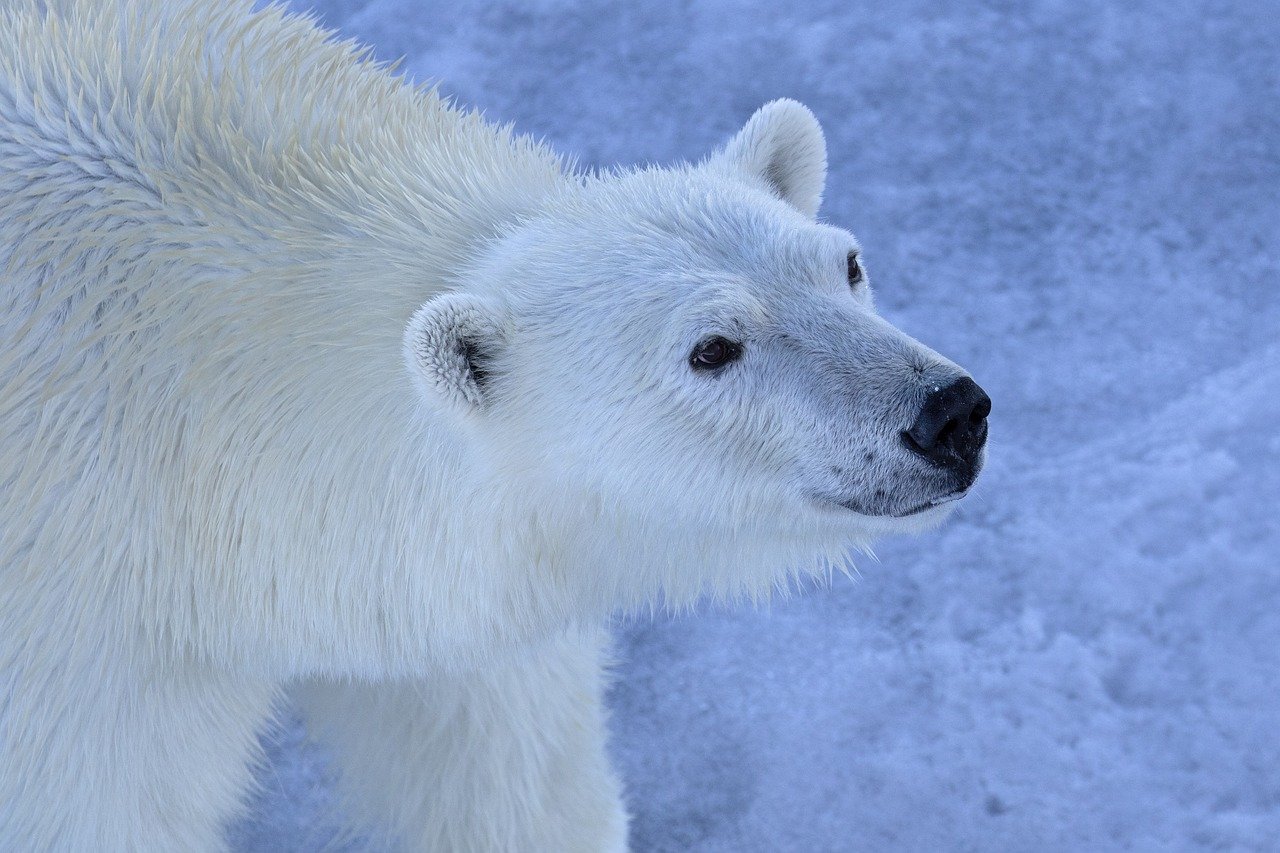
x,y
951,427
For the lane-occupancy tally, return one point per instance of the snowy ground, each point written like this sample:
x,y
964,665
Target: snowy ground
x,y
1079,201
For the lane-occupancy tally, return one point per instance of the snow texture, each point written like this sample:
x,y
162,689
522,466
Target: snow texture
x,y
1078,200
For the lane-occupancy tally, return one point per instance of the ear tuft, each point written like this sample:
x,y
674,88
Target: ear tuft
x,y
448,344
783,146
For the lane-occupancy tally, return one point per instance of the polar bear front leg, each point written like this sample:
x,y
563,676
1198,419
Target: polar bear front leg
x,y
510,758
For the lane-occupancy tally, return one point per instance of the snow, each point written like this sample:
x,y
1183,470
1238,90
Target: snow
x,y
1078,201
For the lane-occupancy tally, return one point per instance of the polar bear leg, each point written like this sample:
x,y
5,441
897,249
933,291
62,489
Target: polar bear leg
x,y
509,758
93,758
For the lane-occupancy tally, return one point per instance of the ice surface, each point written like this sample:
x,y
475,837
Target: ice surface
x,y
1080,202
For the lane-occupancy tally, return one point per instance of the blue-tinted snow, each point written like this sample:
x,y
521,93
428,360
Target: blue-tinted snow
x,y
1079,201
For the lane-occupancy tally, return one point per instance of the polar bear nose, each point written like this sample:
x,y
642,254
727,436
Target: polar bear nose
x,y
952,425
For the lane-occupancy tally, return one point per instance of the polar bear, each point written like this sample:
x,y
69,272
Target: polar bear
x,y
312,384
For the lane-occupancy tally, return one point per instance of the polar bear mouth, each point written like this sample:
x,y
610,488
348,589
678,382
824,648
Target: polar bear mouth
x,y
935,502
932,503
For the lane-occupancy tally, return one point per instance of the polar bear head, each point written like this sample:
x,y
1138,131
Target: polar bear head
x,y
688,355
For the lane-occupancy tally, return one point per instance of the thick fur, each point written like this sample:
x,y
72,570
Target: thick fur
x,y
466,763
306,375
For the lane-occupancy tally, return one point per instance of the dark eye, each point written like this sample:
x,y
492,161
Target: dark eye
x,y
855,269
714,353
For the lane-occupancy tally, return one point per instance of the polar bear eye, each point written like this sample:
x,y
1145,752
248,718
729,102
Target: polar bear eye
x,y
855,270
714,353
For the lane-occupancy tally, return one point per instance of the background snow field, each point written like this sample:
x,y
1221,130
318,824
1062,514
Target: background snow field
x,y
1077,200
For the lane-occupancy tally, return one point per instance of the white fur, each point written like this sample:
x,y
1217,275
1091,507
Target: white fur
x,y
465,763
240,444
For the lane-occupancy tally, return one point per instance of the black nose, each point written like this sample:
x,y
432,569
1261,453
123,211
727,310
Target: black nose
x,y
952,425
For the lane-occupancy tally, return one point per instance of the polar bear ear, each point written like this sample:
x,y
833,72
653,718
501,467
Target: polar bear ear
x,y
782,145
448,345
